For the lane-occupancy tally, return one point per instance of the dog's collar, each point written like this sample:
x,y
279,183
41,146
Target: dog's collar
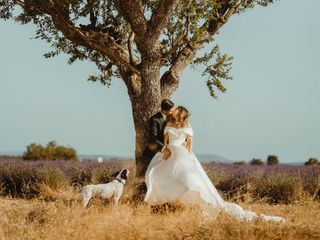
x,y
120,180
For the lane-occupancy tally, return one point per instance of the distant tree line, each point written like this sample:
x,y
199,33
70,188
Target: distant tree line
x,y
51,151
273,160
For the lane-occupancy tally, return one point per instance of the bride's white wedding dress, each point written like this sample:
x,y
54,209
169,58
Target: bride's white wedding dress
x,y
181,177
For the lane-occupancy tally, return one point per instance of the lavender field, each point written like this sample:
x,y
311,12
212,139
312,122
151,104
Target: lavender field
x,y
273,184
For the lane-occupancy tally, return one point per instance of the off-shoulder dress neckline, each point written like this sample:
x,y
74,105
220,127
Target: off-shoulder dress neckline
x,y
177,128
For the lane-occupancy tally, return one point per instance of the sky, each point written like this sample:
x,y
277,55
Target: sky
x,y
270,107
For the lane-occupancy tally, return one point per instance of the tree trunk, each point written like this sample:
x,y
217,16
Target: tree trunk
x,y
145,105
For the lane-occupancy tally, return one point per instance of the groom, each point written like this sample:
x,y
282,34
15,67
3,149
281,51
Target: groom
x,y
157,124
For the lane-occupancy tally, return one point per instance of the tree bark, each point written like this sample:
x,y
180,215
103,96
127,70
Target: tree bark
x,y
144,105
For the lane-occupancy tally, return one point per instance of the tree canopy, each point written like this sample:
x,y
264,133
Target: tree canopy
x,y
118,35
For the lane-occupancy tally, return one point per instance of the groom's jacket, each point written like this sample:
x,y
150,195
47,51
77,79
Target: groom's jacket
x,y
156,127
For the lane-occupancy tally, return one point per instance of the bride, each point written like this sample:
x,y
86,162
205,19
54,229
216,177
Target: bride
x,y
175,174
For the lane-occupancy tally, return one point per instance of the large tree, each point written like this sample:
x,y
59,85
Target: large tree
x,y
136,41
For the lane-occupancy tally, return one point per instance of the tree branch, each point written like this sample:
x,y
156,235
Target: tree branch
x,y
212,26
21,3
133,58
98,41
170,80
90,39
180,41
132,12
159,18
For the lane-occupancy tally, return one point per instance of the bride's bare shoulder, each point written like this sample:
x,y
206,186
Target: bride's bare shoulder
x,y
170,124
186,125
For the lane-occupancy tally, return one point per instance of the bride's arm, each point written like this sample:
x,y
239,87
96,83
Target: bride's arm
x,y
189,143
166,153
166,139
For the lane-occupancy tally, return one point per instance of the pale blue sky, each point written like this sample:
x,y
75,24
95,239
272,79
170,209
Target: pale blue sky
x,y
271,106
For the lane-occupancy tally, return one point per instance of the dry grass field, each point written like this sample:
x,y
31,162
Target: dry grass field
x,y
59,215
40,200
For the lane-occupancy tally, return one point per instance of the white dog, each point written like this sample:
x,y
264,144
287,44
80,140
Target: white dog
x,y
113,189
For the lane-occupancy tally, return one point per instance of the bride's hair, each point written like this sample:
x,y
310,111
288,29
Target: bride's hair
x,y
182,117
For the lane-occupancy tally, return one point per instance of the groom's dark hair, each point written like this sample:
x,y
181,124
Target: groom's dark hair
x,y
166,104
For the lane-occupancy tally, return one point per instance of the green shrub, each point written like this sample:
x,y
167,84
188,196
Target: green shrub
x,y
51,151
272,160
312,162
256,161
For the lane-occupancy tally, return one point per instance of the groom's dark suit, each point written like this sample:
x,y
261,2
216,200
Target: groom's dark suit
x,y
157,124
156,128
